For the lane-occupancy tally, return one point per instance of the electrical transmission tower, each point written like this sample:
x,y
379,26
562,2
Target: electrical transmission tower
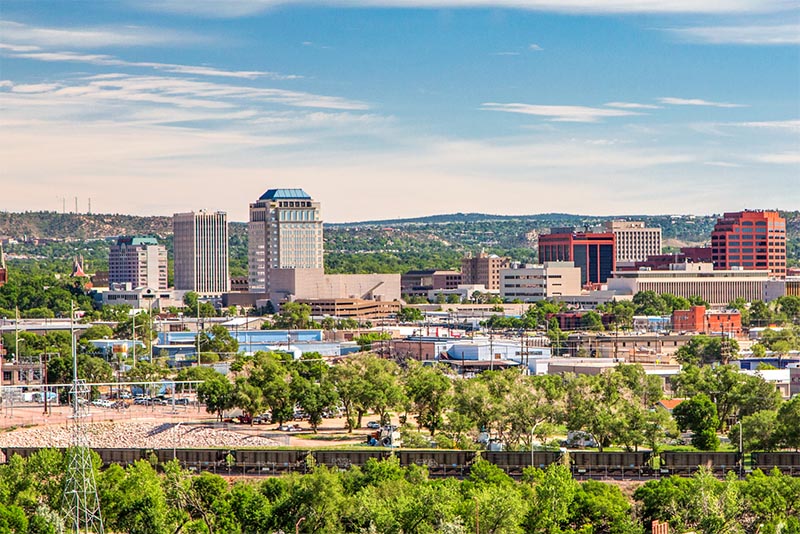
x,y
80,491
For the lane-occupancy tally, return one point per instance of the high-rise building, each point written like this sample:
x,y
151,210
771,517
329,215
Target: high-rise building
x,y
595,254
201,252
138,261
750,240
483,269
284,232
635,242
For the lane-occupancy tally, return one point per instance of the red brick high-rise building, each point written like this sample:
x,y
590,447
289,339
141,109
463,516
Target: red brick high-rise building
x,y
595,254
753,240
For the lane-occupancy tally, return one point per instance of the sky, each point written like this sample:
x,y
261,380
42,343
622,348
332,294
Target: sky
x,y
401,108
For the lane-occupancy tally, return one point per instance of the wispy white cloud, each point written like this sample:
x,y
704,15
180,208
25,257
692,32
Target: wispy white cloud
x,y
631,105
674,101
781,158
535,47
182,92
111,61
725,164
505,54
559,113
240,8
767,34
792,125
94,37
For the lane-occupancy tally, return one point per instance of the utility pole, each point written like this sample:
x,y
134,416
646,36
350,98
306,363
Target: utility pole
x,y
133,329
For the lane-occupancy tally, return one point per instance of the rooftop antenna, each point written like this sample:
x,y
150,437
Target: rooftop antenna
x,y
80,490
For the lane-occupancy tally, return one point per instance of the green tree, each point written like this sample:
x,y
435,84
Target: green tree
x,y
702,349
98,331
409,315
315,397
788,432
217,393
650,303
248,397
294,315
758,431
219,340
592,321
699,414
430,392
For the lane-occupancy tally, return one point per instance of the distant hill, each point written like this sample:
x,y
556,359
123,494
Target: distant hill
x,y
82,226
392,245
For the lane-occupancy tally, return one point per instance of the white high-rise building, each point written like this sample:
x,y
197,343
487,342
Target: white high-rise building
x,y
635,242
201,252
138,261
284,232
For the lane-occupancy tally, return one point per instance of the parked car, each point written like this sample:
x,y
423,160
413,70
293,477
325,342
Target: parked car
x,y
374,425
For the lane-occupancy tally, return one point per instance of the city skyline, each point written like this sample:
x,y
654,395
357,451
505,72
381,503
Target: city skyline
x,y
421,108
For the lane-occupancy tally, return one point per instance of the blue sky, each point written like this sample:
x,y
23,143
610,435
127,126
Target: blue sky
x,y
394,108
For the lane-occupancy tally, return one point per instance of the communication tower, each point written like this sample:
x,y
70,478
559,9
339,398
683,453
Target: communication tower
x,y
80,490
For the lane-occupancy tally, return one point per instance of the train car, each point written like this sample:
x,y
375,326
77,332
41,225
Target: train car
x,y
270,461
344,459
610,464
440,463
688,463
787,463
513,463
123,457
198,459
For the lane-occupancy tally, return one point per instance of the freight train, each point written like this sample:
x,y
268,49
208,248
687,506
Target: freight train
x,y
449,463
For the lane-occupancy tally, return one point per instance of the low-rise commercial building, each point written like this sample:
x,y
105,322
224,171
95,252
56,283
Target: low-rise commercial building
x,y
530,283
718,288
419,283
361,309
699,319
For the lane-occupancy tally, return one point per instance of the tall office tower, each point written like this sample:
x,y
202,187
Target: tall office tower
x,y
595,254
284,232
201,252
635,242
483,269
139,261
752,240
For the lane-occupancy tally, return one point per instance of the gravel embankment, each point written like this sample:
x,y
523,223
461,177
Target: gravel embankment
x,y
135,434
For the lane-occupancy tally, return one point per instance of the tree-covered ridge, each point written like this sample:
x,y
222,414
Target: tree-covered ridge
x,y
436,242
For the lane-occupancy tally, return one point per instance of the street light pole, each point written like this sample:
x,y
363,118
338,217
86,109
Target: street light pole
x,y
297,525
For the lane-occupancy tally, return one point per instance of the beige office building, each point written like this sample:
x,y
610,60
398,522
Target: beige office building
x,y
201,252
284,232
531,283
718,288
138,261
483,269
635,242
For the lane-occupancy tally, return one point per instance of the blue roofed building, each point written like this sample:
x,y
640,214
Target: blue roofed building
x,y
284,232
